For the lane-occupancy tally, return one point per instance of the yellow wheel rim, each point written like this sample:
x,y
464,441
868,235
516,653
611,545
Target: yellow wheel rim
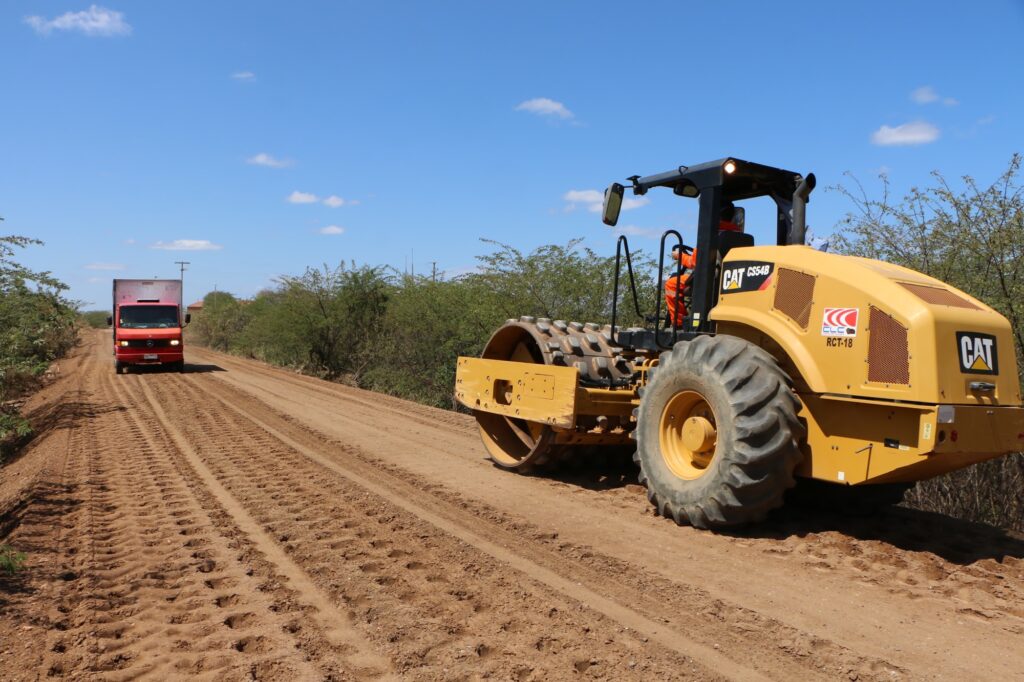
x,y
688,435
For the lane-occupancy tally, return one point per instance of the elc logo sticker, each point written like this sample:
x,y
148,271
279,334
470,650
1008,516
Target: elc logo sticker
x,y
977,353
840,321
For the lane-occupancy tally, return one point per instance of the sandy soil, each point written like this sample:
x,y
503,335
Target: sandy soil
x,y
242,522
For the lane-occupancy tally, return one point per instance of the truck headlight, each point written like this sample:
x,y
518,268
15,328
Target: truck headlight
x,y
175,342
124,344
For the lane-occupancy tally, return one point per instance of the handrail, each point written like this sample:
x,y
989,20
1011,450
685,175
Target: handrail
x,y
658,295
620,246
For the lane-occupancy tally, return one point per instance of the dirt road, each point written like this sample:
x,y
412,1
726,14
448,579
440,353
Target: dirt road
x,y
241,522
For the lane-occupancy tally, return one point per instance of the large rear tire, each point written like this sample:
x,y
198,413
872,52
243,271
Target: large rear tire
x,y
718,437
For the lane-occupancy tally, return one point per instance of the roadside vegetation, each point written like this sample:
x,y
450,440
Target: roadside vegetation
x,y
37,326
399,334
96,319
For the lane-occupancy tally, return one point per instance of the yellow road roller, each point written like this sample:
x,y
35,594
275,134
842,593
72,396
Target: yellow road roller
x,y
770,364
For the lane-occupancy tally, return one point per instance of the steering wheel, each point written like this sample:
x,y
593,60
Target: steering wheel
x,y
688,250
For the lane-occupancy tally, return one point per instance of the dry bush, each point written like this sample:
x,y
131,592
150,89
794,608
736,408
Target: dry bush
x,y
990,492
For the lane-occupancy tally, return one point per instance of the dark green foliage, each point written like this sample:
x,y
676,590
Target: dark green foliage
x,y
973,239
326,322
402,334
37,325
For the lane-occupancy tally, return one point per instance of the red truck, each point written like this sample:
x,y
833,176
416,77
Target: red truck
x,y
147,323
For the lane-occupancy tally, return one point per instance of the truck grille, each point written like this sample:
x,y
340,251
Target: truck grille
x,y
888,349
794,295
149,343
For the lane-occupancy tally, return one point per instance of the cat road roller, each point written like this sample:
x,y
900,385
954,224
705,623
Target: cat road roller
x,y
783,364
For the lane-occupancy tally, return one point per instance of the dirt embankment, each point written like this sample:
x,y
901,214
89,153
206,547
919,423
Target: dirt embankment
x,y
239,521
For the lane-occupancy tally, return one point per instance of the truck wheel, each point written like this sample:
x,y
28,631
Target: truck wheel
x,y
717,433
119,367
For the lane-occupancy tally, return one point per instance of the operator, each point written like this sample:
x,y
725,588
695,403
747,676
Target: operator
x,y
687,263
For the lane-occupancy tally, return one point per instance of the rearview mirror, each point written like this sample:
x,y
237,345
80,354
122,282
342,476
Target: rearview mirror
x,y
612,204
188,318
739,217
110,320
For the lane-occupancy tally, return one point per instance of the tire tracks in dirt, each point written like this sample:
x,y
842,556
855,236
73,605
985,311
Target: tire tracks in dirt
x,y
660,610
156,585
334,623
851,582
433,598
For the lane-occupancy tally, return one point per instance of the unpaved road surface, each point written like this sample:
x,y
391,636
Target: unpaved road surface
x,y
242,522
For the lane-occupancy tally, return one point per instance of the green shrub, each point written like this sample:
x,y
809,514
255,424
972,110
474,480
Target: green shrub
x,y
11,561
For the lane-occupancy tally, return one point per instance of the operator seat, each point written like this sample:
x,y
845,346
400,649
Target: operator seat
x,y
728,240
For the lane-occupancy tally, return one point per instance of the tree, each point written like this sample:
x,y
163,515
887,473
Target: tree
x,y
37,325
971,238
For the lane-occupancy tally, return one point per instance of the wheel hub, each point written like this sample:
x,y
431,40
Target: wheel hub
x,y
699,435
688,435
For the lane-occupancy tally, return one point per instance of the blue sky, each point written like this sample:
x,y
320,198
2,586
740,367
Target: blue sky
x,y
256,142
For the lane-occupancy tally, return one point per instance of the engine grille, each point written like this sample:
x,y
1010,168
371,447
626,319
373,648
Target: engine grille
x,y
888,349
937,296
794,295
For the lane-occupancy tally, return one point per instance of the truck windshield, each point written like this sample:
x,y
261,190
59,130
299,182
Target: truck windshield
x,y
148,316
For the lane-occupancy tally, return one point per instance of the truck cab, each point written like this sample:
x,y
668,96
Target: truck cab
x,y
147,324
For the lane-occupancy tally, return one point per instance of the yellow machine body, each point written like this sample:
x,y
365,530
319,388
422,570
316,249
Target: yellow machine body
x,y
901,377
922,380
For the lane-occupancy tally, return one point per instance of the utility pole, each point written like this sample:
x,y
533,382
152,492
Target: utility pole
x,y
182,263
433,271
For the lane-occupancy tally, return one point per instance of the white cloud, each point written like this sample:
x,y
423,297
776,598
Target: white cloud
x,y
104,266
244,76
96,21
628,204
332,229
129,242
926,94
542,106
635,231
187,245
462,271
915,132
298,197
987,120
593,200
264,159
584,196
334,201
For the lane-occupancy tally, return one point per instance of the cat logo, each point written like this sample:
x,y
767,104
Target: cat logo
x,y
732,279
977,353
746,275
